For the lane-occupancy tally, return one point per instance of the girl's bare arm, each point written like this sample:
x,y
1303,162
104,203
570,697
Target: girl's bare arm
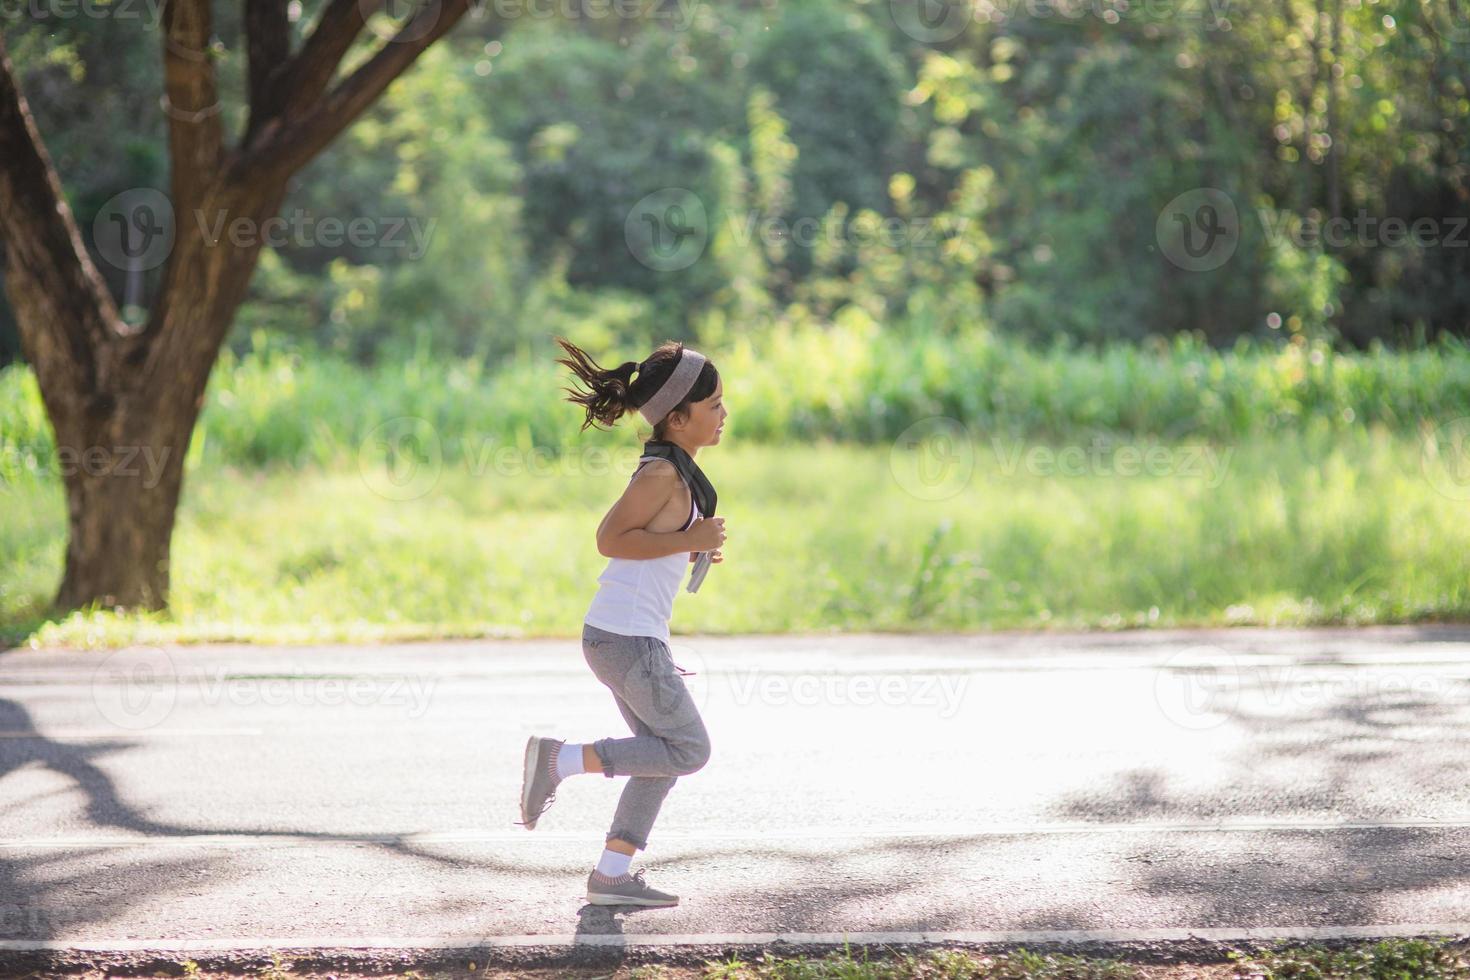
x,y
624,531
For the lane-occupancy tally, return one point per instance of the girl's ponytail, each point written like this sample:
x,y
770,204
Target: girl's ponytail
x,y
610,395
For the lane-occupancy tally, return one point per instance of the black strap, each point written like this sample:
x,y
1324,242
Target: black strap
x,y
699,485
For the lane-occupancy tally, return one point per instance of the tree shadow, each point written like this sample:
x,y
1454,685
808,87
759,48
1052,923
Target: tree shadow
x,y
1313,875
41,899
1270,877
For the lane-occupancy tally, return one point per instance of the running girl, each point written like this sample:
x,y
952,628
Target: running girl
x,y
664,514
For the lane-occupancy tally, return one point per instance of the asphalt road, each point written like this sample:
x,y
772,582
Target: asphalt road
x,y
1140,786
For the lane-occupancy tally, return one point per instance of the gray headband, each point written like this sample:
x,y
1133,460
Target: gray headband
x,y
691,362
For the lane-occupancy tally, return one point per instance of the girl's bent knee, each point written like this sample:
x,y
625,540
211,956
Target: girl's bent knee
x,y
691,756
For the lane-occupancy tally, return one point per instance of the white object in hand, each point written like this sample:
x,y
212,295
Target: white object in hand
x,y
702,562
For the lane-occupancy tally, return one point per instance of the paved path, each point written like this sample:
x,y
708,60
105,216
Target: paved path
x,y
1134,787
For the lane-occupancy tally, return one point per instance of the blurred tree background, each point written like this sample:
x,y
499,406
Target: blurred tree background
x,y
1006,176
1071,224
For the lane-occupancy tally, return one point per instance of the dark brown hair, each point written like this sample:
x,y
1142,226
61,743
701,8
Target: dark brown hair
x,y
615,392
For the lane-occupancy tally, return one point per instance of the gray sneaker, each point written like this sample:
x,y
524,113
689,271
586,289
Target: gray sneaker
x,y
627,890
538,782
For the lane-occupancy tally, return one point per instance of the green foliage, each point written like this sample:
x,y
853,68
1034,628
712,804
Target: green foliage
x,y
1306,285
801,380
1025,163
1315,503
1291,528
446,257
837,87
949,964
1389,959
596,127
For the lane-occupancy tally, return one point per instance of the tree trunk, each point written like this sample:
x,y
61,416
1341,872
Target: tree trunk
x,y
121,496
124,472
123,401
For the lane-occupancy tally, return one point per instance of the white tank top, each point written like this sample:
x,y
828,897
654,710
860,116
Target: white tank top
x,y
635,596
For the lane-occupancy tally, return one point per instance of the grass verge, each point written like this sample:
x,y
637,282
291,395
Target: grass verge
x,y
943,535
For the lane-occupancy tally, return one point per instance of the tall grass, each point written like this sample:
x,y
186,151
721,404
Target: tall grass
x,y
848,382
1281,529
1325,502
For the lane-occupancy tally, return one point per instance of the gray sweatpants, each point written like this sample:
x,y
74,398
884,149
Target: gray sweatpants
x,y
669,737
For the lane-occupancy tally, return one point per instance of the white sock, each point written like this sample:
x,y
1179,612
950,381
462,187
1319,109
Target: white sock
x,y
614,864
569,760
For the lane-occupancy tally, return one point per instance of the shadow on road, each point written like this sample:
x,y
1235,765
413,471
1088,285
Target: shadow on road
x,y
31,880
1310,757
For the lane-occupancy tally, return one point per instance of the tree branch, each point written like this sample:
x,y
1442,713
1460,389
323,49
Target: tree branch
x,y
268,44
300,79
323,51
66,316
191,101
283,149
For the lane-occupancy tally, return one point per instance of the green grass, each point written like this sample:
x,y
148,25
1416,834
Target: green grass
x,y
849,382
1292,528
1393,959
942,964
1389,959
1437,958
1335,493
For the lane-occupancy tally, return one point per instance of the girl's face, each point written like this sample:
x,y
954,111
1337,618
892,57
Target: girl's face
x,y
706,419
